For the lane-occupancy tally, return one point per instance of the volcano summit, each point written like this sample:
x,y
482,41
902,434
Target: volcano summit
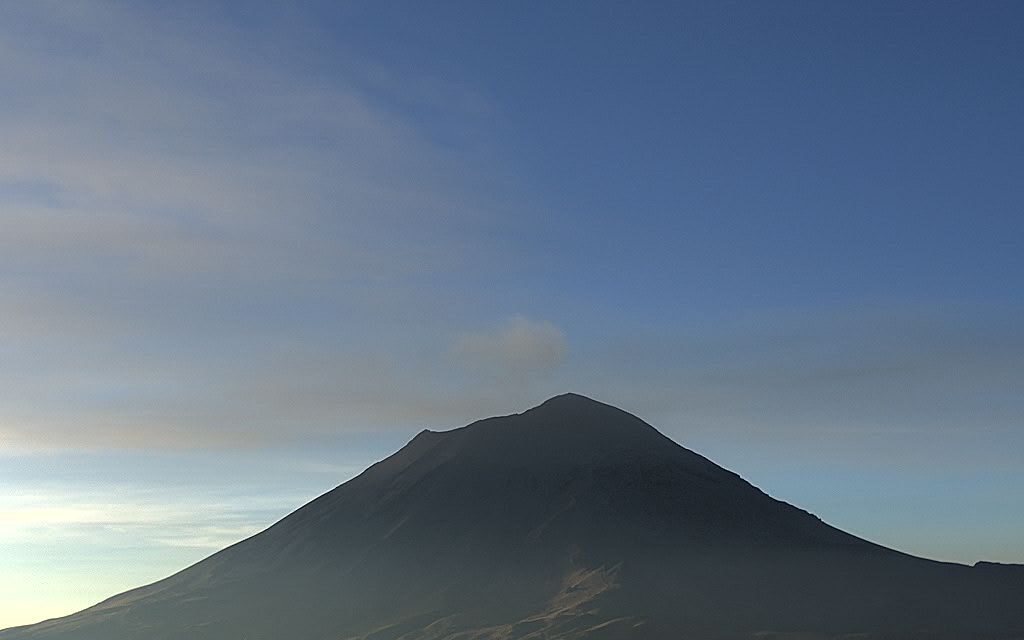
x,y
573,520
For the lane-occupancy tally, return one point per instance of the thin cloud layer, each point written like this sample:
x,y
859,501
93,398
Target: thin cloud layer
x,y
194,217
214,236
519,346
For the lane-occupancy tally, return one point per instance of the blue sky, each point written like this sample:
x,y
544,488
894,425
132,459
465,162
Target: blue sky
x,y
247,249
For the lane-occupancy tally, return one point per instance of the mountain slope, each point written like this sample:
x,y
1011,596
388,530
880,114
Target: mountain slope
x,y
571,520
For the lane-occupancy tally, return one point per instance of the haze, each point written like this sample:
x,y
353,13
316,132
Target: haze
x,y
246,250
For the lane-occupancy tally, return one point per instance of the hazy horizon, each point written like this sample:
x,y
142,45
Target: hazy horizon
x,y
247,250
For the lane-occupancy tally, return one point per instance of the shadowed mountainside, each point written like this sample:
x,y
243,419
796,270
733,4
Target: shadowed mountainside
x,y
572,520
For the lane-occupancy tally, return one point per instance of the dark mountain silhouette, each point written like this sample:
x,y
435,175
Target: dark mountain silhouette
x,y
572,520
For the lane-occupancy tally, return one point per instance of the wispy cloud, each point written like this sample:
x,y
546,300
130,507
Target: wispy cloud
x,y
519,346
188,213
137,518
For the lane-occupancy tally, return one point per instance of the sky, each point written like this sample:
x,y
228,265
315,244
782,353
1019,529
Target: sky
x,y
247,249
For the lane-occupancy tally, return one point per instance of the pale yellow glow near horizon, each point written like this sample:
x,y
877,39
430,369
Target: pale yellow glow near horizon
x,y
64,551
34,599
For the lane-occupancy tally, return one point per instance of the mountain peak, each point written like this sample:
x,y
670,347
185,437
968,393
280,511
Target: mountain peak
x,y
567,425
570,398
577,406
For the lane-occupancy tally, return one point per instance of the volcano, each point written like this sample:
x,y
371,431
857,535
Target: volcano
x,y
572,520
